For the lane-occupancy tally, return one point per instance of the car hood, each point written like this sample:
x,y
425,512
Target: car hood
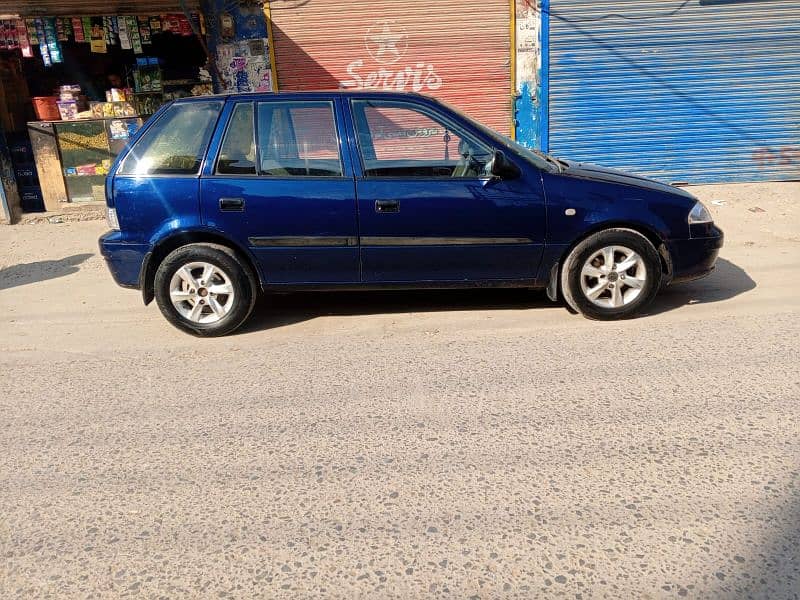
x,y
598,173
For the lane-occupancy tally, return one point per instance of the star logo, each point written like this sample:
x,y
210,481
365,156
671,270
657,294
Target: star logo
x,y
386,42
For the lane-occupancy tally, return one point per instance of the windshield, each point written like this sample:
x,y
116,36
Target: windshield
x,y
536,157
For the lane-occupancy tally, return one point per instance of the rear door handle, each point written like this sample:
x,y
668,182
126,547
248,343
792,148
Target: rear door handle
x,y
387,206
231,204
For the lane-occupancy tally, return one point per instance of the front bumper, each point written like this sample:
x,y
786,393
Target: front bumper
x,y
123,258
695,257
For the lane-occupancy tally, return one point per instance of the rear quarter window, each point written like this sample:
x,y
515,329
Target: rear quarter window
x,y
176,143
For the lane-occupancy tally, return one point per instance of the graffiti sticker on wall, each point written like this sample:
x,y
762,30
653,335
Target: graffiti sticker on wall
x,y
784,156
387,44
244,66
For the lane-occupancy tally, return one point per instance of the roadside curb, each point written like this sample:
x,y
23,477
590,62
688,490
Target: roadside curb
x,y
80,213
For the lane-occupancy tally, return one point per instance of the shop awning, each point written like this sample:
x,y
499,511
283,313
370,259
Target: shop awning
x,y
68,8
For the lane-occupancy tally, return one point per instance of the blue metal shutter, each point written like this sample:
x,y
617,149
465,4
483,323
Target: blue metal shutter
x,y
700,91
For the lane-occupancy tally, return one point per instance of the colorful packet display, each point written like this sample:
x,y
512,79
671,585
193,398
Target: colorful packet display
x,y
130,32
144,30
77,29
17,28
60,33
8,35
33,33
98,36
51,36
14,31
124,35
133,32
43,49
186,28
23,40
86,23
110,30
173,23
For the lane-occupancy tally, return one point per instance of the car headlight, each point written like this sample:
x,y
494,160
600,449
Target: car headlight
x,y
111,217
699,214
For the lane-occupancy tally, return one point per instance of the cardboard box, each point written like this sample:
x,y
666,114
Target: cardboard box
x,y
68,109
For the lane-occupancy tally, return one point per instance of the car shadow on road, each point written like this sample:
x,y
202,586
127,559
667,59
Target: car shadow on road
x,y
285,309
279,310
42,270
725,282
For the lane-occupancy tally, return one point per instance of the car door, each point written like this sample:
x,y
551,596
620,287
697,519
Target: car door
x,y
280,184
427,210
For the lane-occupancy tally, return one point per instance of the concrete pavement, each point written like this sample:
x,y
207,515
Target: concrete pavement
x,y
429,444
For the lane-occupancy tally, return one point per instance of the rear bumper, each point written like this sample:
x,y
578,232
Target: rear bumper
x,y
695,257
124,259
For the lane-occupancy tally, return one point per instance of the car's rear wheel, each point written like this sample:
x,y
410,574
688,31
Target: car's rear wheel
x,y
612,274
205,289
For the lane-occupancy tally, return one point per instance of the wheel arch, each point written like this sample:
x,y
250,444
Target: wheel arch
x,y
181,238
554,277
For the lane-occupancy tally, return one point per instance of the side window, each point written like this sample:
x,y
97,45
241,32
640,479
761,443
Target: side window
x,y
397,139
298,139
175,144
237,155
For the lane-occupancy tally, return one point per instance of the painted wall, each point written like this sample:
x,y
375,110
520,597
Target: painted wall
x,y
530,106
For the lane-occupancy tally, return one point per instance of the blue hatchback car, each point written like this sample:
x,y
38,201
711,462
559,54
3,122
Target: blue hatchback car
x,y
221,198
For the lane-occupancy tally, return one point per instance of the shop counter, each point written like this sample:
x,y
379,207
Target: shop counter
x,y
73,157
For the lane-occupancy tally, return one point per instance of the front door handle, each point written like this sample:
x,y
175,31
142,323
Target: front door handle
x,y
231,204
387,206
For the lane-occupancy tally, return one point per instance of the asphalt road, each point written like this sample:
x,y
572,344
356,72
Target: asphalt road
x,y
425,444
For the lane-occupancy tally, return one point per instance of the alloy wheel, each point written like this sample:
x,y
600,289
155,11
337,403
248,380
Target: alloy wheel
x,y
613,276
201,292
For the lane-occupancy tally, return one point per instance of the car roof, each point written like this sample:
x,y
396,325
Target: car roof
x,y
308,94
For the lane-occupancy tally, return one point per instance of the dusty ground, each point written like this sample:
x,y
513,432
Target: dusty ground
x,y
409,445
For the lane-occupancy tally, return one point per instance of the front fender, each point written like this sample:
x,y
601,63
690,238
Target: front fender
x,y
578,206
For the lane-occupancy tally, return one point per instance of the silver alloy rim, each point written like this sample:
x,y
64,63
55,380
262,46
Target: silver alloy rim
x,y
201,292
613,276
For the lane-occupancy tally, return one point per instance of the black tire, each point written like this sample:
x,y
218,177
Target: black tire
x,y
242,280
571,274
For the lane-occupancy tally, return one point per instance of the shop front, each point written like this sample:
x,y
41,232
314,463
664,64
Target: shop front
x,y
77,82
79,78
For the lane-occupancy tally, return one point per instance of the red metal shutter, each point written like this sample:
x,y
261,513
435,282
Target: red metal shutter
x,y
455,50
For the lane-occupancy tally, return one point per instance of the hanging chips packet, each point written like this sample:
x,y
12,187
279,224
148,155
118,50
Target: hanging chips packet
x,y
24,40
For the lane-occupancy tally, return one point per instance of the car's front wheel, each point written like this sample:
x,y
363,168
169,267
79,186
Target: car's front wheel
x,y
205,289
612,274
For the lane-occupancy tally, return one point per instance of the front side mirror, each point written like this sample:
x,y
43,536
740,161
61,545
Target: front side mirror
x,y
502,168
